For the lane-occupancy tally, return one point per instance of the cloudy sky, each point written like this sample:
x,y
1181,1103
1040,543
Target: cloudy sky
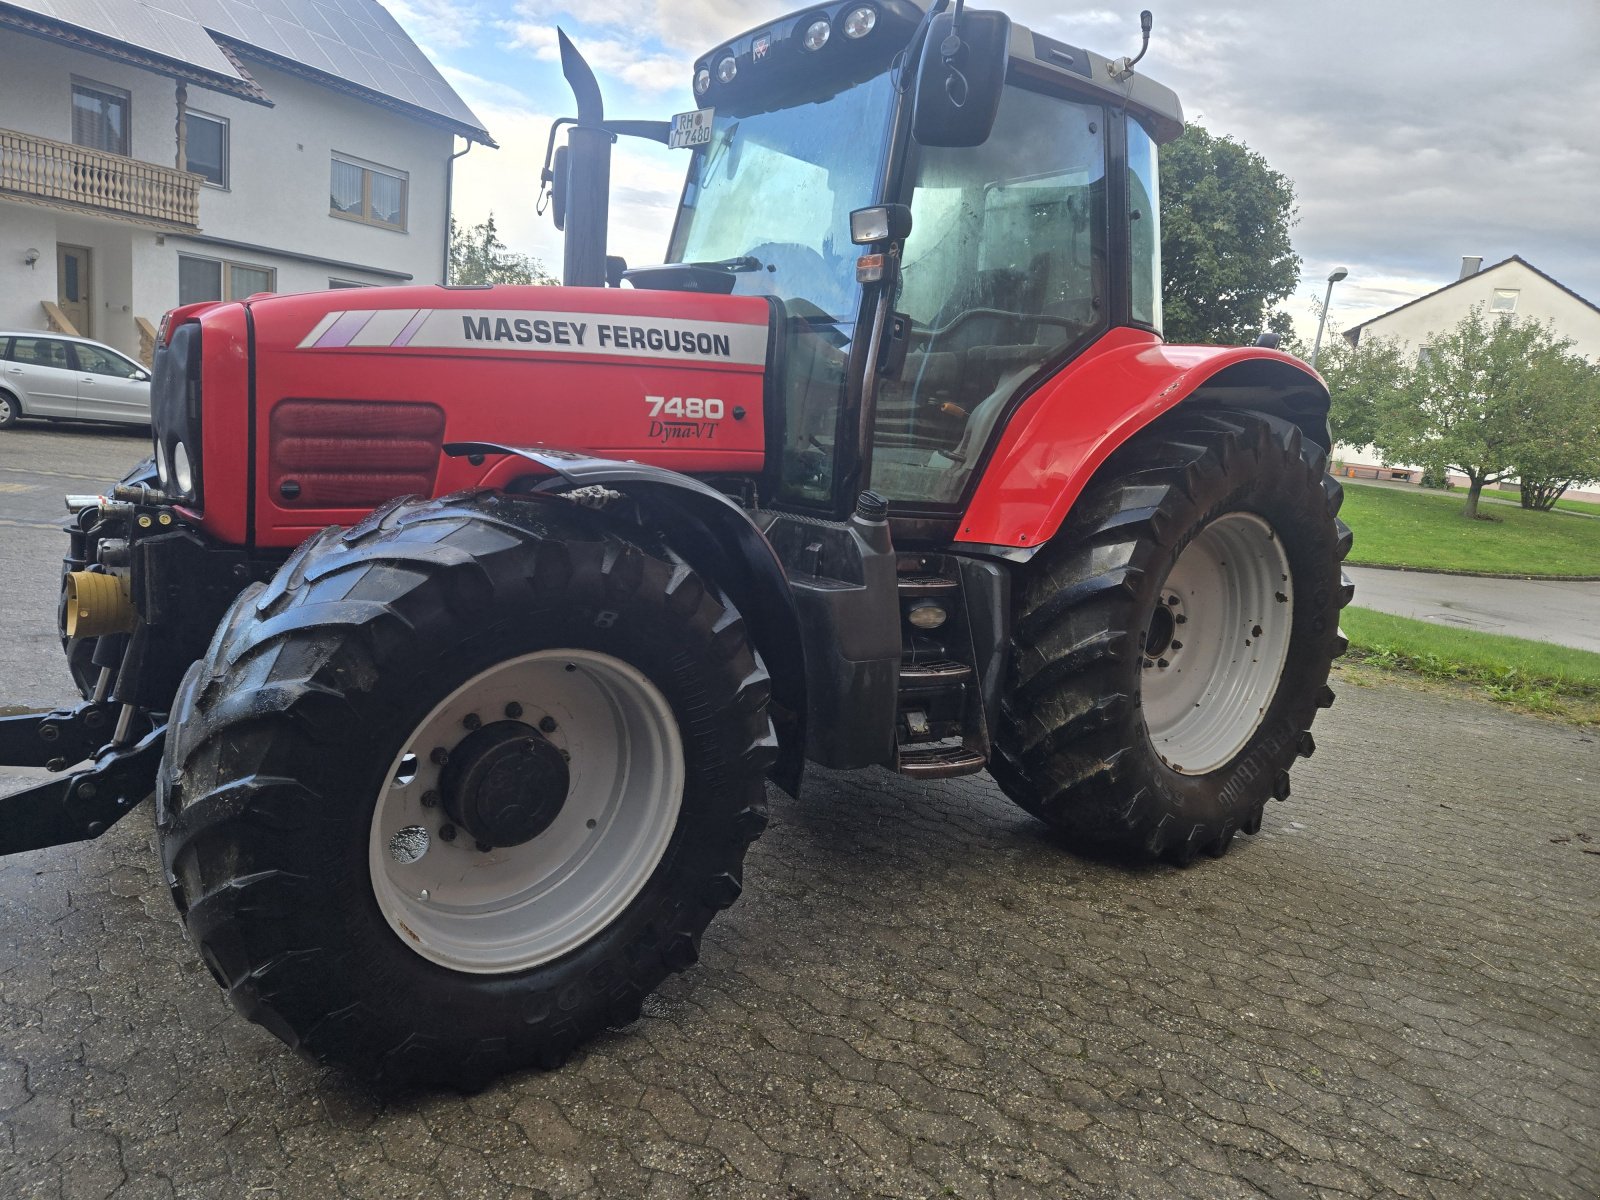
x,y
1415,131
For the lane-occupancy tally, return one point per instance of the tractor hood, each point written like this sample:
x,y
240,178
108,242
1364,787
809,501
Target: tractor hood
x,y
320,406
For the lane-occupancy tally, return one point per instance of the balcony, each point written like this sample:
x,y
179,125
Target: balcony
x,y
56,172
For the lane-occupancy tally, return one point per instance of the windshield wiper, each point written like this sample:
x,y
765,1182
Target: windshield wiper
x,y
742,262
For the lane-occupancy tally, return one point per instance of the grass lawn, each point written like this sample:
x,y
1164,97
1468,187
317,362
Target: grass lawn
x,y
1425,530
1530,675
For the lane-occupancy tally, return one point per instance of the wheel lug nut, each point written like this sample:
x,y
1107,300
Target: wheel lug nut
x,y
447,833
1161,662
430,799
1180,618
1177,645
1172,601
547,724
513,710
483,847
440,755
472,720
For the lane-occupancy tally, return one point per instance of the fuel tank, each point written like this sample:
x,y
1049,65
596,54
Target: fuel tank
x,y
317,407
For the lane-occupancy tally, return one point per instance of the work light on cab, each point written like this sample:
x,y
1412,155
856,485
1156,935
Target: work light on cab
x,y
859,22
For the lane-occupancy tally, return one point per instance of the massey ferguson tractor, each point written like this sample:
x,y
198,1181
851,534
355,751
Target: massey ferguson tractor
x,y
458,631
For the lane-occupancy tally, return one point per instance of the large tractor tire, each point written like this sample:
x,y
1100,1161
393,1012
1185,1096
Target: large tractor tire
x,y
1172,644
462,785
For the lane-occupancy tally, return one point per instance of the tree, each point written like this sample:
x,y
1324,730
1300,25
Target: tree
x,y
1560,443
1473,395
1225,250
477,255
1363,380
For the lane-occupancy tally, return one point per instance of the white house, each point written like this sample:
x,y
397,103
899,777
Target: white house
x,y
1512,286
159,152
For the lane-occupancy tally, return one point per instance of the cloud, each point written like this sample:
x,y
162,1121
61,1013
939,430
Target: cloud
x,y
436,25
638,68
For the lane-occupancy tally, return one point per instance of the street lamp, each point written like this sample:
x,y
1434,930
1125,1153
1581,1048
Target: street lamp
x,y
1338,274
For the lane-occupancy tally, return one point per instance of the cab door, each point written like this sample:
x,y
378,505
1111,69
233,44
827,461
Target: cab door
x,y
41,371
110,387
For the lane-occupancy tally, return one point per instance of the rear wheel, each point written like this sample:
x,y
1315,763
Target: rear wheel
x,y
463,785
10,410
1173,643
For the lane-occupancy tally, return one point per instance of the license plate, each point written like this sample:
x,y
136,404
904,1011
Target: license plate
x,y
691,128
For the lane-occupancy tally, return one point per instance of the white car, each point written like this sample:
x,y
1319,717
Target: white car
x,y
51,375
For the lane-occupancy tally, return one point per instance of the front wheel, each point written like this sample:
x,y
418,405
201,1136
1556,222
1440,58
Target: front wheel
x,y
462,785
1173,643
10,410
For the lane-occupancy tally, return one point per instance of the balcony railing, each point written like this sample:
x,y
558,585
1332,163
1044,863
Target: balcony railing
x,y
49,170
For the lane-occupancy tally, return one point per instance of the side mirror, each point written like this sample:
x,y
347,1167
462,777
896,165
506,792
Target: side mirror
x,y
142,376
558,187
960,78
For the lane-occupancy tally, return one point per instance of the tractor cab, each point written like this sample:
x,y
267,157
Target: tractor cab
x,y
1026,171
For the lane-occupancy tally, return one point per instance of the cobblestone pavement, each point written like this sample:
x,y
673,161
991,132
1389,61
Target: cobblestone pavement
x,y
1392,991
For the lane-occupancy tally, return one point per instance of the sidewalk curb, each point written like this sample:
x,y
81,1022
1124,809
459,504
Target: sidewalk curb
x,y
1474,574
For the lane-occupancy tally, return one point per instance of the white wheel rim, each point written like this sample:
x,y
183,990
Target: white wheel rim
x,y
5,408
1217,643
513,908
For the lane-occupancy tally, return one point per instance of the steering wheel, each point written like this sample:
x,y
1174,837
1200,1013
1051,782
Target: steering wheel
x,y
962,318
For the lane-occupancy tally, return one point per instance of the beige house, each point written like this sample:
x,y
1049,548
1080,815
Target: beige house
x,y
1512,286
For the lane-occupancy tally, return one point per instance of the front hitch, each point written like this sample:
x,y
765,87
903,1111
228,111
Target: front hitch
x,y
58,738
83,805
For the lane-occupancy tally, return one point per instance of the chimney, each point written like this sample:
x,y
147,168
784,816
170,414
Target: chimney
x,y
1470,264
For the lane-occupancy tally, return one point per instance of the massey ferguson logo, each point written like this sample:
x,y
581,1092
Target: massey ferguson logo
x,y
595,335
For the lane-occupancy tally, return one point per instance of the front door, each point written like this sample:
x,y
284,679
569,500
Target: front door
x,y
72,287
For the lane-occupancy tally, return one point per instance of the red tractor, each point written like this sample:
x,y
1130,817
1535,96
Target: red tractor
x,y
457,631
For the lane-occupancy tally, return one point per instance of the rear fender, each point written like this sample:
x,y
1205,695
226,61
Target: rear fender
x,y
1066,429
716,538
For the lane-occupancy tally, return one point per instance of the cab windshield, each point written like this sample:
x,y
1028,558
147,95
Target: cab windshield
x,y
769,200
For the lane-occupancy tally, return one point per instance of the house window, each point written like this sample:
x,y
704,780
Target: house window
x,y
362,191
216,279
1505,300
99,117
206,146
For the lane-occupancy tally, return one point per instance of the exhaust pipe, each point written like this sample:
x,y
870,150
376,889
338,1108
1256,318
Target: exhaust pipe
x,y
583,262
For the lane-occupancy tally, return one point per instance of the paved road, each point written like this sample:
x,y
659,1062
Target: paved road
x,y
1544,610
1391,992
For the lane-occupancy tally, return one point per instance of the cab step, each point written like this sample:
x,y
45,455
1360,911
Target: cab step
x,y
939,672
939,762
916,586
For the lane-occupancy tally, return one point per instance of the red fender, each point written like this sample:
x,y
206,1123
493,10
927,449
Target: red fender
x,y
1068,427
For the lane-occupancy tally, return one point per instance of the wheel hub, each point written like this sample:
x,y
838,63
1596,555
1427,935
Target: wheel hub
x,y
505,784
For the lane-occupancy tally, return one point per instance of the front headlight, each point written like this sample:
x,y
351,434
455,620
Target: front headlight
x,y
181,470
175,416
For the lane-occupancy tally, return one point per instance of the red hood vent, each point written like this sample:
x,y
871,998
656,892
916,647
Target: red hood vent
x,y
352,453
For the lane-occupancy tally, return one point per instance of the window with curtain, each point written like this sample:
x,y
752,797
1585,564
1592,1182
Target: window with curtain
x,y
216,279
99,117
361,191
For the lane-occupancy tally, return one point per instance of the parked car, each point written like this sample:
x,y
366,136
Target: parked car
x,y
51,375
